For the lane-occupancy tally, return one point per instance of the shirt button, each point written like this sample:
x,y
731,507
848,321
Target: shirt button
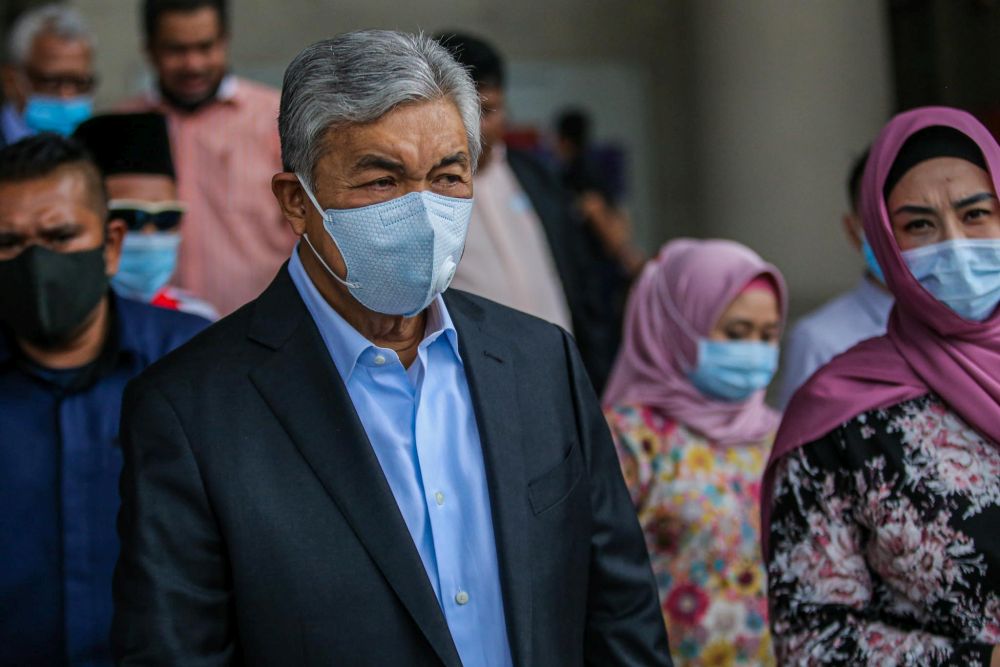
x,y
439,498
462,598
379,359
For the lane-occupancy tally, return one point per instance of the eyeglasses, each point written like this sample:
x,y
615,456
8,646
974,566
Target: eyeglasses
x,y
55,84
139,214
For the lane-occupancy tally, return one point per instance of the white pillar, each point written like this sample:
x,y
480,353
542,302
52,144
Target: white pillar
x,y
787,93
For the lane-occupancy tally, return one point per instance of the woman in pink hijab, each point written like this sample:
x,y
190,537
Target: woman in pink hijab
x,y
882,497
685,403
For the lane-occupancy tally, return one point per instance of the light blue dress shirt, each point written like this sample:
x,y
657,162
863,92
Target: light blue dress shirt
x,y
421,424
835,327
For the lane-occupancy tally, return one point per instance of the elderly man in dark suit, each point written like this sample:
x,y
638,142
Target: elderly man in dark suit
x,y
355,469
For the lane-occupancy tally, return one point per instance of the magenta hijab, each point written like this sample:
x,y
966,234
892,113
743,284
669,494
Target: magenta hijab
x,y
928,348
679,297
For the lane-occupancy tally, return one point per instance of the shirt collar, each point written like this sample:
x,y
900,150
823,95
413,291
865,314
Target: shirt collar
x,y
12,124
342,340
498,158
228,89
122,340
130,338
876,301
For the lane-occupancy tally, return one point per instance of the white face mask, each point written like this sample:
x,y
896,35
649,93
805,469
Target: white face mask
x,y
963,274
400,254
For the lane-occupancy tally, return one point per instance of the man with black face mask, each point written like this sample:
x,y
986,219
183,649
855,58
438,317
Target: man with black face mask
x,y
68,346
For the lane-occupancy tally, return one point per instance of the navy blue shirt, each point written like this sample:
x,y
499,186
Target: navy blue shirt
x,y
59,467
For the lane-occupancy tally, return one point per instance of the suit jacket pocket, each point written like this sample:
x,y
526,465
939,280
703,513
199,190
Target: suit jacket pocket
x,y
555,485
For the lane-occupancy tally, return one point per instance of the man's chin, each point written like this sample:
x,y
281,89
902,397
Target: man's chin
x,y
190,100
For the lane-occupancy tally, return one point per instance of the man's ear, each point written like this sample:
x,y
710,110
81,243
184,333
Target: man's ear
x,y
853,230
114,236
292,199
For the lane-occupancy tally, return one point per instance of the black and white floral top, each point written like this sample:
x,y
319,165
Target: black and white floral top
x,y
885,540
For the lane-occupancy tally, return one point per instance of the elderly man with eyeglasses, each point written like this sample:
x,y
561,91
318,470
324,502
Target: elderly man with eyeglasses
x,y
48,79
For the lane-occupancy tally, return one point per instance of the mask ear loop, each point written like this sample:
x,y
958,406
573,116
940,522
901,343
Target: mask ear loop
x,y
305,235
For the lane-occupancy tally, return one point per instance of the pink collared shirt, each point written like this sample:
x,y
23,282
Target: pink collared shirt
x,y
225,153
507,256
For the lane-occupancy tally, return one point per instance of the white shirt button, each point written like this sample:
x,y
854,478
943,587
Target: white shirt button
x,y
439,498
379,359
462,598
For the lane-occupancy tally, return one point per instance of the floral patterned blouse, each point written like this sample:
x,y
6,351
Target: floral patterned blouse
x,y
698,504
886,543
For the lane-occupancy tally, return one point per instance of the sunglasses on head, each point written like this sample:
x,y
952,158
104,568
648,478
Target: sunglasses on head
x,y
138,214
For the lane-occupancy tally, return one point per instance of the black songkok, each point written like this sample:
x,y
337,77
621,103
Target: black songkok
x,y
128,143
929,143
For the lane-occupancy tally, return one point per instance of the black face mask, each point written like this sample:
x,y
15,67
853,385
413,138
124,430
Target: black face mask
x,y
45,296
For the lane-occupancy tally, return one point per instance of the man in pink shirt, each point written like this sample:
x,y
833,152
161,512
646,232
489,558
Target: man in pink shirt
x,y
225,142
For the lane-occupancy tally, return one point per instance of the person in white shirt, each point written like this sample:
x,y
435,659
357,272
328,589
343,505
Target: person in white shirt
x,y
841,323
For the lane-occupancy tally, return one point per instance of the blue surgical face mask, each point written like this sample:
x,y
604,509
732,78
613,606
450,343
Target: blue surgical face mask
x,y
871,262
726,370
400,254
733,370
963,274
146,265
54,114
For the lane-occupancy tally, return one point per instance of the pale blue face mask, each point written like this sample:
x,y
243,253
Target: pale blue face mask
x,y
733,370
147,263
963,274
400,254
871,262
54,114
727,370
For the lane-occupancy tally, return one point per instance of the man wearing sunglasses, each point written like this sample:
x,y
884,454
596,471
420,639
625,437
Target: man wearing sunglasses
x,y
49,80
133,152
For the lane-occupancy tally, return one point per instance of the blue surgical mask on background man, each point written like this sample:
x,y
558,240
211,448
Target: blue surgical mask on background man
x,y
44,113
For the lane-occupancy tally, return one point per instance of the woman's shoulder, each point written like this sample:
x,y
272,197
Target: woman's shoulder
x,y
890,432
900,417
643,421
641,428
636,416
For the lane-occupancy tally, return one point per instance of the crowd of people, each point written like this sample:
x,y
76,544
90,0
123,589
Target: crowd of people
x,y
332,375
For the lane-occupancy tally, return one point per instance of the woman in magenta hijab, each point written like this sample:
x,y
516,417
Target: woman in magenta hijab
x,y
685,403
882,497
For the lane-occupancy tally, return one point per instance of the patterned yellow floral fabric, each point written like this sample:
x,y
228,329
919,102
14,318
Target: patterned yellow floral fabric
x,y
698,504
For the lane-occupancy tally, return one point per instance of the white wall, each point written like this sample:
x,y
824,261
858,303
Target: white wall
x,y
615,94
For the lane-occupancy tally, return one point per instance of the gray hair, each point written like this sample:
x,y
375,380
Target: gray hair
x,y
358,77
59,19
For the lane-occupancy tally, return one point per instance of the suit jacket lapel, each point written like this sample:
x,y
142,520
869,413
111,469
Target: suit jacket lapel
x,y
302,387
490,369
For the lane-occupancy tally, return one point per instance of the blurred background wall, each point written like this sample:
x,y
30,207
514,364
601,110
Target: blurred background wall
x,y
739,118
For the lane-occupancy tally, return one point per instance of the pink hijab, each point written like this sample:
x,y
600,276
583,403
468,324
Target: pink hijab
x,y
680,296
928,348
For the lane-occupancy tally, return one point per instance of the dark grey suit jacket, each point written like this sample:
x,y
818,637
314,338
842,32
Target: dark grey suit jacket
x,y
257,527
